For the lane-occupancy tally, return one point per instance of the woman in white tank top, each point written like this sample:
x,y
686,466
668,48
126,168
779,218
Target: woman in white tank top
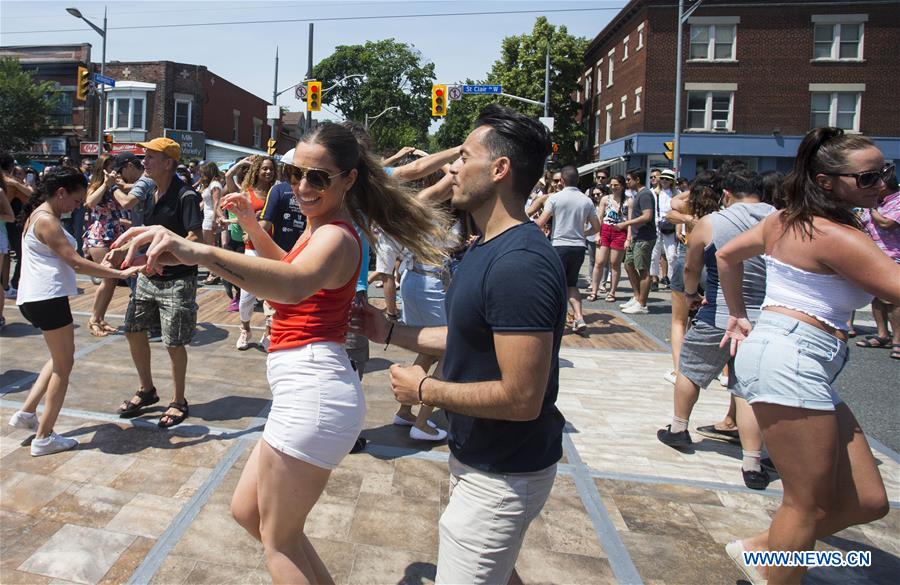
x,y
49,262
820,266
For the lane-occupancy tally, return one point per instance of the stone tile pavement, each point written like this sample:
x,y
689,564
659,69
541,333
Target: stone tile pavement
x,y
136,504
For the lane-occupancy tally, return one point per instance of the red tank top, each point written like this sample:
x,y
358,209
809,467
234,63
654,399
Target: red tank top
x,y
322,317
258,204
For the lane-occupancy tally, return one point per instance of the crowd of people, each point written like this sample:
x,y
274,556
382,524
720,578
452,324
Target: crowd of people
x,y
764,271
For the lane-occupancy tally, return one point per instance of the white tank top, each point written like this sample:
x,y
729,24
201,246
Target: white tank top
x,y
829,298
44,274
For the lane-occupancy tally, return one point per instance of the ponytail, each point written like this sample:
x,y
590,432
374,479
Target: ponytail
x,y
823,150
68,178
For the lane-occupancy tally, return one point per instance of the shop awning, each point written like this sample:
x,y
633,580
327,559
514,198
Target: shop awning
x,y
600,164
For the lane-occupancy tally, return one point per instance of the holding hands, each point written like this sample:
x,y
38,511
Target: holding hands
x,y
165,248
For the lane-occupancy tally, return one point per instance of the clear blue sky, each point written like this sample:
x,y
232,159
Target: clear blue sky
x,y
460,46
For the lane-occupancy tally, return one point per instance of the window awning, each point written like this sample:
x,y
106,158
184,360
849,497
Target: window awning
x,y
600,164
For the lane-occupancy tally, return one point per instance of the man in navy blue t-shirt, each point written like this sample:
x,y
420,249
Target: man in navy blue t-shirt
x,y
506,309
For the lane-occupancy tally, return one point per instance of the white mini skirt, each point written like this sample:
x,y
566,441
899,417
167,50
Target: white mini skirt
x,y
318,407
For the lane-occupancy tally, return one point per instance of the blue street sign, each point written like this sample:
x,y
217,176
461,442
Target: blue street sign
x,y
469,89
104,79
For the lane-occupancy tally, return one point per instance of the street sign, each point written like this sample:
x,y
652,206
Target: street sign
x,y
104,79
300,92
454,93
548,122
273,112
482,89
193,143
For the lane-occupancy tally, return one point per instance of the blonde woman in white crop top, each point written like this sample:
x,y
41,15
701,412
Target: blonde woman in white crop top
x,y
821,265
49,262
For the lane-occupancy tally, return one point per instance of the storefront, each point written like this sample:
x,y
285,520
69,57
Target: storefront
x,y
223,152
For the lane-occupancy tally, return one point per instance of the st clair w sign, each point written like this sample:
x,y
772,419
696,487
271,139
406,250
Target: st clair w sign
x,y
193,144
90,148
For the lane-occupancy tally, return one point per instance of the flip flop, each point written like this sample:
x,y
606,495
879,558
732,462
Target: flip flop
x,y
592,297
873,341
96,329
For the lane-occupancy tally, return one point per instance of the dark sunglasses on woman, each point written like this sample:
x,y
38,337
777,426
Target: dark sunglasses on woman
x,y
868,179
318,179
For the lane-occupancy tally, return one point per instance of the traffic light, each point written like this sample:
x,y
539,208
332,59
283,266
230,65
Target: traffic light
x,y
314,96
271,146
438,100
83,80
670,150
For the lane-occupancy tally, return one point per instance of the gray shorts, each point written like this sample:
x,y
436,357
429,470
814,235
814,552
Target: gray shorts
x,y
701,357
170,304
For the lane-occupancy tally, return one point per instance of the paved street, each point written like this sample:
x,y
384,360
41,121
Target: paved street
x,y
141,505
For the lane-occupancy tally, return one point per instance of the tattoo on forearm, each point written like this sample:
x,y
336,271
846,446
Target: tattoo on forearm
x,y
229,270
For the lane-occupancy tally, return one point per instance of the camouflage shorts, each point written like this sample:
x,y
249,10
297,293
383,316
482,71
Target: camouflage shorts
x,y
170,304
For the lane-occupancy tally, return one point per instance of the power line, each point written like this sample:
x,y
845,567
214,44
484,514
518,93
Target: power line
x,y
325,19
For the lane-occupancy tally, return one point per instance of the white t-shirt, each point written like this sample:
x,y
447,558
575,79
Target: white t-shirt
x,y
571,211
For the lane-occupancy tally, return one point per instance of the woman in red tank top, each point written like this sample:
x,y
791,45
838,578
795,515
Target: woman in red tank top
x,y
318,408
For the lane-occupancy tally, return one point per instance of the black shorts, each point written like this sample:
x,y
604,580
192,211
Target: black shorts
x,y
49,314
572,258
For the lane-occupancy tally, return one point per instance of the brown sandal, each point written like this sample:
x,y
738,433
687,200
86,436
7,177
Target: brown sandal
x,y
97,329
107,327
592,297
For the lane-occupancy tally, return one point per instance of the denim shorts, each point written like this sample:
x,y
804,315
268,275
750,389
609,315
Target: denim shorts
x,y
789,362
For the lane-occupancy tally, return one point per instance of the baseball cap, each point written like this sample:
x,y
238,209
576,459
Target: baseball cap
x,y
167,146
667,174
288,157
124,158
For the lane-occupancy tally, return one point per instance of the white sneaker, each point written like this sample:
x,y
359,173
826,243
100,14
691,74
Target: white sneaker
x,y
52,444
243,341
11,293
24,420
402,422
631,301
264,342
420,435
636,309
579,325
670,376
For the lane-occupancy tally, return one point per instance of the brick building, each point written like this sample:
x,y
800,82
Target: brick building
x,y
74,121
757,75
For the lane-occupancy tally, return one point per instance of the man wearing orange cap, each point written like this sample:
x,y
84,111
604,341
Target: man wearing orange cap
x,y
168,299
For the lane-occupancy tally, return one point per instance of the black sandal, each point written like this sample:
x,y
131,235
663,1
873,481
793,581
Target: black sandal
x,y
146,398
175,419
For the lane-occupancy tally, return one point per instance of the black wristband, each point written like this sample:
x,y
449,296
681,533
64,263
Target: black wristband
x,y
387,340
421,382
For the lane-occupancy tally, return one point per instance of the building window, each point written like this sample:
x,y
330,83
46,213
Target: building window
x,y
713,42
837,42
640,35
125,113
183,114
597,126
623,101
578,92
625,48
588,76
61,115
839,109
257,132
709,110
599,75
608,122
236,123
610,58
637,99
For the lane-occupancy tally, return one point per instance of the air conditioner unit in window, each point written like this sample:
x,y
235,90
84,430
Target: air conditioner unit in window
x,y
720,125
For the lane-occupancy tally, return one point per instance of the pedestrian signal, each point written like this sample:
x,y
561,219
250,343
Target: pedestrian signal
x,y
107,142
438,100
82,83
670,150
314,96
271,146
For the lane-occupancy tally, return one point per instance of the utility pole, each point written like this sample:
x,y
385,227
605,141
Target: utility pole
x,y
274,94
547,83
682,18
309,69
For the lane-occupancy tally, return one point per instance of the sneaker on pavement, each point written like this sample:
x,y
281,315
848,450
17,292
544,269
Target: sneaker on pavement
x,y
631,301
264,342
670,376
12,293
51,444
579,325
24,420
636,309
756,480
233,306
243,341
666,436
727,435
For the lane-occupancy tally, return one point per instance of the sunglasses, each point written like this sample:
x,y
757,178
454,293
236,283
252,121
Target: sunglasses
x,y
318,179
868,179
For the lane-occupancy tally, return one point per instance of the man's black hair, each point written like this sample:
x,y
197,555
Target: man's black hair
x,y
7,162
743,182
523,140
569,174
638,174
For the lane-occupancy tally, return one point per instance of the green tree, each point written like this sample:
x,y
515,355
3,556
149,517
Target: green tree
x,y
396,75
25,107
520,70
